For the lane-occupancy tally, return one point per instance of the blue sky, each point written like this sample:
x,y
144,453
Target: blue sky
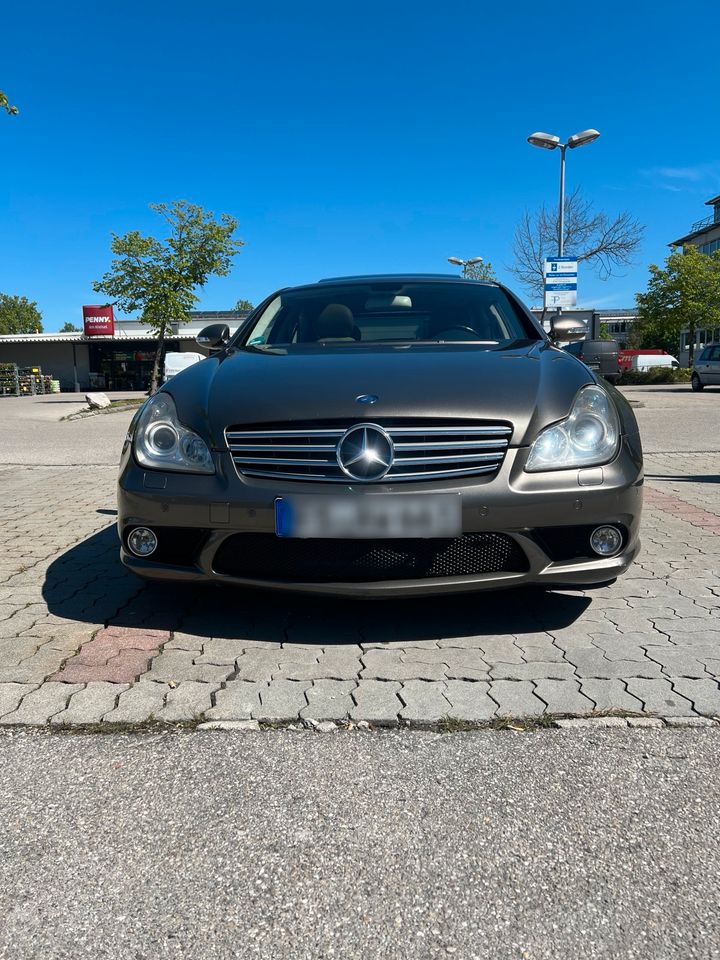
x,y
346,138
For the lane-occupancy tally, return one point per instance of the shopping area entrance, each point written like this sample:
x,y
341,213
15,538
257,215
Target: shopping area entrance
x,y
123,366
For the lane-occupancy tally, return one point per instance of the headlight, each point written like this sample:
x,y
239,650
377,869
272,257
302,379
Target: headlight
x,y
589,436
163,443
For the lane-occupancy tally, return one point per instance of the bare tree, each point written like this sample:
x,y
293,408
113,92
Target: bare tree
x,y
594,237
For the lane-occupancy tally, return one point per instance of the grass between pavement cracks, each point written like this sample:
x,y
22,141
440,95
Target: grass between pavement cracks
x,y
597,720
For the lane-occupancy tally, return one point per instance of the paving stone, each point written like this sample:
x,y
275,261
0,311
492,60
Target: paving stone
x,y
38,706
239,700
329,667
532,671
563,696
610,695
678,662
90,704
682,625
690,722
143,701
188,701
457,664
591,723
501,650
42,664
377,702
257,666
281,700
516,698
589,664
329,700
703,694
424,702
545,652
469,701
11,694
126,667
177,665
185,641
388,665
658,697
221,652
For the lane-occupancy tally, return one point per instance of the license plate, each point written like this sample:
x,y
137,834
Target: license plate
x,y
369,517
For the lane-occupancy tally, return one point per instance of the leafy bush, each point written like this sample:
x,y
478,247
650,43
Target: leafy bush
x,y
656,375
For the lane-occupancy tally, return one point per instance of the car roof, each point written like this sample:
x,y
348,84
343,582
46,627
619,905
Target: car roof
x,y
403,278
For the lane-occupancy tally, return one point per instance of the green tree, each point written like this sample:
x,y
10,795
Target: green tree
x,y
479,271
682,295
596,239
6,106
242,305
19,315
159,278
70,328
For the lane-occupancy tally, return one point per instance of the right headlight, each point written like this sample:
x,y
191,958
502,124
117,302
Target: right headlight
x,y
161,442
588,437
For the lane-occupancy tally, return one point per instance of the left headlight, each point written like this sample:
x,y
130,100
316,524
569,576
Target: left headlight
x,y
588,437
161,442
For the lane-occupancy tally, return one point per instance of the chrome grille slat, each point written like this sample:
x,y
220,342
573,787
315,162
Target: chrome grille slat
x,y
426,451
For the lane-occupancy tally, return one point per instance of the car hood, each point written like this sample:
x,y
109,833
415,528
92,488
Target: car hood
x,y
528,385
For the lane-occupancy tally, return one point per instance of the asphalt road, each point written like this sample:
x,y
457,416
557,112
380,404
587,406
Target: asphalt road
x,y
561,844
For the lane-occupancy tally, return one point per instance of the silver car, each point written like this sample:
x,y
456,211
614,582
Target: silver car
x,y
706,368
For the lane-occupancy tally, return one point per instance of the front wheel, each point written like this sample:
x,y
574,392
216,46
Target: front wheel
x,y
696,383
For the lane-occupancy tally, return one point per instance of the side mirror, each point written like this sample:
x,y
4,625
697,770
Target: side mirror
x,y
214,337
567,330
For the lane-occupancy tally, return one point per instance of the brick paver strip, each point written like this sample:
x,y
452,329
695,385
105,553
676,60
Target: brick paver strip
x,y
329,700
563,696
516,698
377,701
89,705
116,655
469,701
424,702
281,700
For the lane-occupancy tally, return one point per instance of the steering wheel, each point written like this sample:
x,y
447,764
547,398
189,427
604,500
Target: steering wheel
x,y
440,334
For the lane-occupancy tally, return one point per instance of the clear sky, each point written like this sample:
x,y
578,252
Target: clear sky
x,y
346,138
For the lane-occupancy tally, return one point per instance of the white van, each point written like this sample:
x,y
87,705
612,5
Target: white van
x,y
176,361
646,361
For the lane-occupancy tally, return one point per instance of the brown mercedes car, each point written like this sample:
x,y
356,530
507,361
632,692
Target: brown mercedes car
x,y
389,435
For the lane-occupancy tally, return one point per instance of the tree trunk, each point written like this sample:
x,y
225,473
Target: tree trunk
x,y
156,363
691,345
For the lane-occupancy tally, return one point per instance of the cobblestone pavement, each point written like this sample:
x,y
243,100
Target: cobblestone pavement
x,y
82,641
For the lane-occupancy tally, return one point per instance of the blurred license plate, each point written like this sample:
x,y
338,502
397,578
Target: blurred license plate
x,y
368,517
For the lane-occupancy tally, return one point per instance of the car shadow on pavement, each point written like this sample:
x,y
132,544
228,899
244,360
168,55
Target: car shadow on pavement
x,y
88,584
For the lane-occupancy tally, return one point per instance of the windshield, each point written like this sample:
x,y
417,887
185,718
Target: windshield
x,y
382,312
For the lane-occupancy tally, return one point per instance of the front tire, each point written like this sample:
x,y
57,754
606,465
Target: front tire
x,y
696,383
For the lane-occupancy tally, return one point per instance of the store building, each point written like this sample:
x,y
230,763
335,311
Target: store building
x,y
121,361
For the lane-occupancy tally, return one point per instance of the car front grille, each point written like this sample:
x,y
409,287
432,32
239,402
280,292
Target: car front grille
x,y
263,556
423,450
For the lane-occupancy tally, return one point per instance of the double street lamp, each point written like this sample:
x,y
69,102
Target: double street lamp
x,y
465,263
549,141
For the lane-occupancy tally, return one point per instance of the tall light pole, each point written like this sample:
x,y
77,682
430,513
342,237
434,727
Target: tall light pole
x,y
549,141
465,263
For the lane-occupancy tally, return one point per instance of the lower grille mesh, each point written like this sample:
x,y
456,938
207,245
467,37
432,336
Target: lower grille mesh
x,y
265,556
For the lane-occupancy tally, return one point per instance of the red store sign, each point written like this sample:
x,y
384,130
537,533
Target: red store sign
x,y
98,321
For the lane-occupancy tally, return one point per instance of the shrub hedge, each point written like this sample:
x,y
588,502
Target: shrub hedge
x,y
656,375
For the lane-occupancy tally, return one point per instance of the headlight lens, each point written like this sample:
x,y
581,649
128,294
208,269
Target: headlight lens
x,y
588,437
163,443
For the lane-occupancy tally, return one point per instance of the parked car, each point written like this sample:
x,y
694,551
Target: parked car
x,y
177,360
599,355
394,435
642,360
706,368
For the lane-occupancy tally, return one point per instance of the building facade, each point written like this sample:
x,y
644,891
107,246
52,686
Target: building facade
x,y
705,235
123,361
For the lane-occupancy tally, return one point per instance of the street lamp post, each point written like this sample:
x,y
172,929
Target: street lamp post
x,y
465,263
549,141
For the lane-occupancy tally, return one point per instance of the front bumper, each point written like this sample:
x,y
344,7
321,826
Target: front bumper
x,y
512,503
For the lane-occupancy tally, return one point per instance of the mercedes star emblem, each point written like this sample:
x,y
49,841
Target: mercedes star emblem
x,y
365,452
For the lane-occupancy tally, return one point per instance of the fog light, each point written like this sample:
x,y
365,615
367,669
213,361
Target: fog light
x,y
606,541
142,542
